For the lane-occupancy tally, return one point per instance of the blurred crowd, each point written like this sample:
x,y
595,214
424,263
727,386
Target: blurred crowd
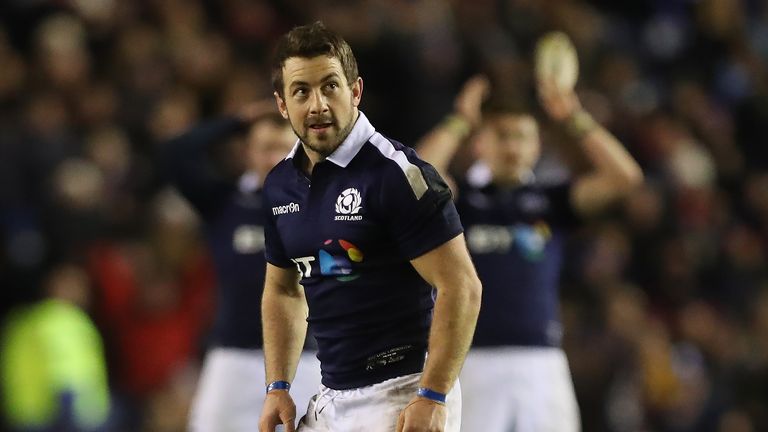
x,y
665,299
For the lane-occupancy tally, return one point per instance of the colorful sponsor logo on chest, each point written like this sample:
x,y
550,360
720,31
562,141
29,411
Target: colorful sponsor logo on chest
x,y
529,240
331,262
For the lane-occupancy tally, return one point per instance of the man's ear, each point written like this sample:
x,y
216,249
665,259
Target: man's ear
x,y
281,105
357,92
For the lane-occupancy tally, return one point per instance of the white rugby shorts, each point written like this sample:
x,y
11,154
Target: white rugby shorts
x,y
521,389
373,408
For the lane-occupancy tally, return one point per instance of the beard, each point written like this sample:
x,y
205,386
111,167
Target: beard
x,y
327,142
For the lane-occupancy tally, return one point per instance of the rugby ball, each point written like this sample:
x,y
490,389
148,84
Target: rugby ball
x,y
556,60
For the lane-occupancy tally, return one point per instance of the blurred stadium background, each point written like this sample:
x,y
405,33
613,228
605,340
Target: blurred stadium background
x,y
665,299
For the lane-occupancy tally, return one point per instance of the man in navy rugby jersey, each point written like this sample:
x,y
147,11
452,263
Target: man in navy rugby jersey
x,y
366,236
516,376
232,210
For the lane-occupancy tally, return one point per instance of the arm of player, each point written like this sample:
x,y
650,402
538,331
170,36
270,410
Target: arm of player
x,y
449,269
185,162
185,159
439,146
614,171
284,321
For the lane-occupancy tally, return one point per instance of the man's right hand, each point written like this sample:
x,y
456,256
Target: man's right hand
x,y
279,409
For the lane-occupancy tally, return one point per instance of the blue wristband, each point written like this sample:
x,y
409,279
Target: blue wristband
x,y
278,385
430,394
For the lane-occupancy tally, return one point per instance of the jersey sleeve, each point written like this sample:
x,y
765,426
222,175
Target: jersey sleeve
x,y
419,209
274,251
186,161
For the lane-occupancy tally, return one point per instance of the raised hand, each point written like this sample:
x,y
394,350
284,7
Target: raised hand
x,y
468,103
559,103
556,71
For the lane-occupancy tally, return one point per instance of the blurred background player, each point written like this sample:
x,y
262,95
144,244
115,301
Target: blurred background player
x,y
53,372
231,208
516,376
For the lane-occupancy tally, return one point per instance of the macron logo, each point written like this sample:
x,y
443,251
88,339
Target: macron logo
x,y
285,209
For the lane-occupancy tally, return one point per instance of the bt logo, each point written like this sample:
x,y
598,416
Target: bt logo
x,y
332,265
529,240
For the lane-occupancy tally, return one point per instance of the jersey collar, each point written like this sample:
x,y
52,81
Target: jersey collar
x,y
347,150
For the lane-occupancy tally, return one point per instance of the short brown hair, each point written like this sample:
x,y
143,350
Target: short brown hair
x,y
309,41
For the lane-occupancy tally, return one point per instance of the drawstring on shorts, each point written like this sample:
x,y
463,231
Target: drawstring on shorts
x,y
324,398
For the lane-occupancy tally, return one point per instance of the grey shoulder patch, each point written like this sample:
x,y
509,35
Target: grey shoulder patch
x,y
412,173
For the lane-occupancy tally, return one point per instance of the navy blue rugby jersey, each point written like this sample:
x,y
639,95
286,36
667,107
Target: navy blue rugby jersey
x,y
350,230
516,239
233,217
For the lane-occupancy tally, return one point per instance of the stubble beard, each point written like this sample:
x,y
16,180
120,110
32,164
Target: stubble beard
x,y
319,147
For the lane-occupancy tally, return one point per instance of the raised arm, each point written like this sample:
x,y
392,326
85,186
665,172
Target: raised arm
x,y
284,318
449,269
439,146
185,159
614,172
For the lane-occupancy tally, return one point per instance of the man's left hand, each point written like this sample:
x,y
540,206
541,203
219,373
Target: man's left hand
x,y
560,104
422,415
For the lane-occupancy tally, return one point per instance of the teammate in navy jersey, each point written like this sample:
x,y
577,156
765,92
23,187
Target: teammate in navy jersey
x,y
364,237
516,376
232,211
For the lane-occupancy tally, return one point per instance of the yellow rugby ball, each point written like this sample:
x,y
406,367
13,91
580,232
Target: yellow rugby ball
x,y
556,60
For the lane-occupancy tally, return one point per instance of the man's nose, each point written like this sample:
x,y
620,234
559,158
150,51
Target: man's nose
x,y
318,103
